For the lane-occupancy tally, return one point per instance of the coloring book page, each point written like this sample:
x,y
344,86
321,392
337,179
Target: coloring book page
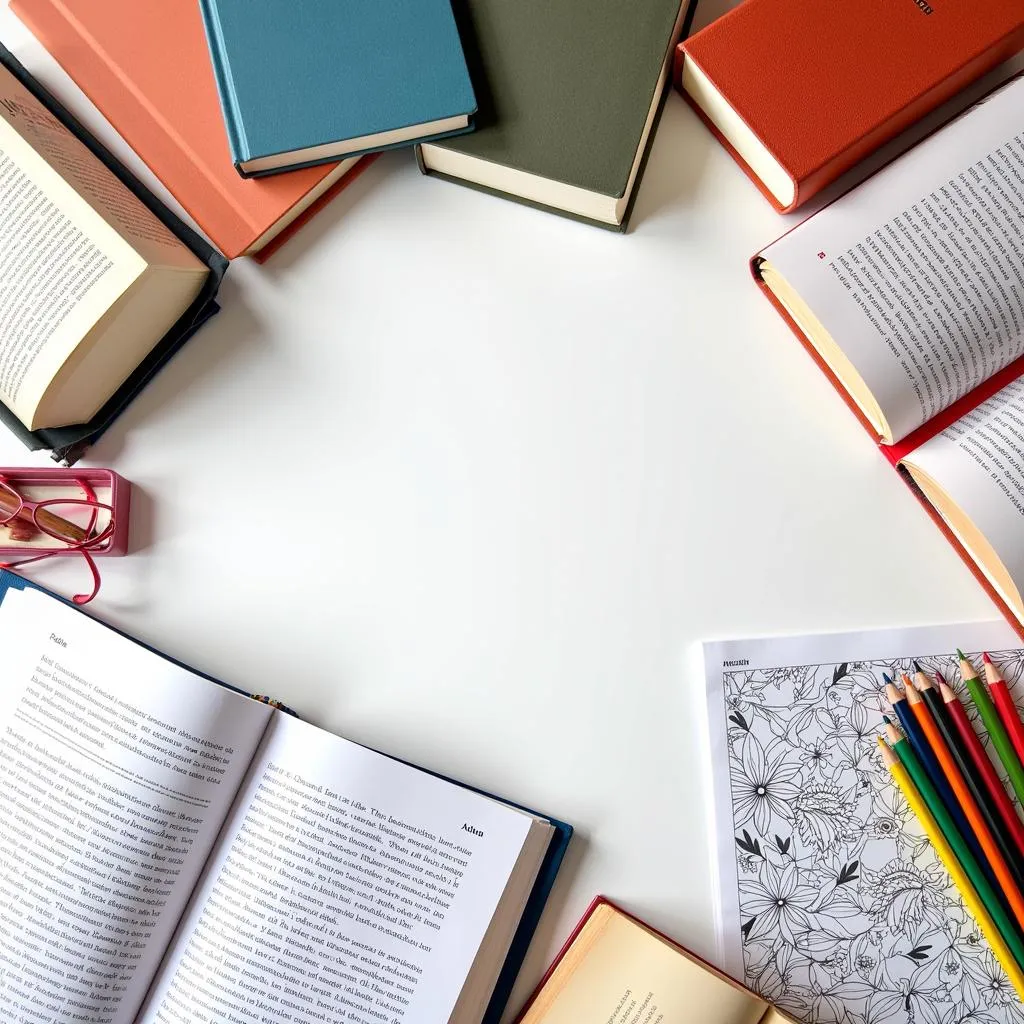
x,y
832,902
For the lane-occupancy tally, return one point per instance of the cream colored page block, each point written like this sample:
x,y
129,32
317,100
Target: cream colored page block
x,y
619,973
61,269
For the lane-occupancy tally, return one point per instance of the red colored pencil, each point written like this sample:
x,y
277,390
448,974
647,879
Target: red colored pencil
x,y
970,740
1004,705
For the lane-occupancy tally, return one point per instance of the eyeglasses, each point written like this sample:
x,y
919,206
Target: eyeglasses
x,y
59,526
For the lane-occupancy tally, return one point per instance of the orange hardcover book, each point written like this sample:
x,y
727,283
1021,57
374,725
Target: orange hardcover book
x,y
908,292
146,66
801,90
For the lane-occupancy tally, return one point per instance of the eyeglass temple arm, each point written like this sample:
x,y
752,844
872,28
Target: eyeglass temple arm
x,y
46,519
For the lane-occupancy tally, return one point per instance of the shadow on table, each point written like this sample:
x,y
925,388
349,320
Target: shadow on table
x,y
229,336
330,220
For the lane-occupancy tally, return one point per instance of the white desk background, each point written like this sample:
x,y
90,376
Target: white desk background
x,y
468,482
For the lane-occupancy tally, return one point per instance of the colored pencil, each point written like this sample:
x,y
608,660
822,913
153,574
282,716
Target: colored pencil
x,y
1004,872
1004,705
987,892
983,766
963,763
985,919
924,754
993,725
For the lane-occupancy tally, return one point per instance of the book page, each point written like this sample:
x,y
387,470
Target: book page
x,y
113,201
347,886
117,769
828,882
978,462
918,274
61,266
618,972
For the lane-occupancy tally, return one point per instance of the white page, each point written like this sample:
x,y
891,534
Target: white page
x,y
979,462
926,300
105,832
799,717
346,886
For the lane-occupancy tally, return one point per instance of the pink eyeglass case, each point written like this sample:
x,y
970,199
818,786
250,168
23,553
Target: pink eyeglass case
x,y
35,484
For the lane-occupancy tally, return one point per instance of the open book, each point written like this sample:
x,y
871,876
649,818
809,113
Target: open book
x,y
616,970
909,292
174,851
90,279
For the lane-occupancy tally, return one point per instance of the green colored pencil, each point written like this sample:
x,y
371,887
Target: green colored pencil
x,y
1007,929
993,726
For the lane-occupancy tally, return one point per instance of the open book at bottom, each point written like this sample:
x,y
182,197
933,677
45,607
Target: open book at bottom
x,y
617,970
174,851
909,293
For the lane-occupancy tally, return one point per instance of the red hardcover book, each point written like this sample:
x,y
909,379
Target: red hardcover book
x,y
146,66
801,90
908,292
614,968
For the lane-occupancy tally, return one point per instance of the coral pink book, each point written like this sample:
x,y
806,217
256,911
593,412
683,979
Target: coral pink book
x,y
617,970
908,291
146,66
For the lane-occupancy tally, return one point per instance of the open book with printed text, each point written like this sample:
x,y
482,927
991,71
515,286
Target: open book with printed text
x,y
909,293
174,851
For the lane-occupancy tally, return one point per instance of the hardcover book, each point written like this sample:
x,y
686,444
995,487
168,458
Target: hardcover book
x,y
147,68
176,851
99,282
799,90
570,95
616,970
327,79
909,293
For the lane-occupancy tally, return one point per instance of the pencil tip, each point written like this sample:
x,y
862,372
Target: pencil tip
x,y
917,666
985,658
960,654
887,678
887,719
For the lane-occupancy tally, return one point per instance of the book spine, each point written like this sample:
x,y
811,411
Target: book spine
x,y
225,87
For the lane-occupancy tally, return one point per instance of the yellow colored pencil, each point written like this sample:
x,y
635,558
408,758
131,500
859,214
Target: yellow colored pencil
x,y
952,865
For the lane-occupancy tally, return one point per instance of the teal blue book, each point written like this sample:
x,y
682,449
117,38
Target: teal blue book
x,y
305,82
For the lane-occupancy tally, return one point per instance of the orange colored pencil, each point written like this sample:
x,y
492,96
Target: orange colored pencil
x,y
1006,877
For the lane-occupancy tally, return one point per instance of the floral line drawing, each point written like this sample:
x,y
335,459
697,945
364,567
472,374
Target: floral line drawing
x,y
847,917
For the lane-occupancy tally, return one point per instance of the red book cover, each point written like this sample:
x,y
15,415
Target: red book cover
x,y
824,84
146,66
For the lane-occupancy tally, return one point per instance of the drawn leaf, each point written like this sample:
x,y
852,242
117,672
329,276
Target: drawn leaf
x,y
918,953
783,844
749,844
738,718
840,671
746,928
849,873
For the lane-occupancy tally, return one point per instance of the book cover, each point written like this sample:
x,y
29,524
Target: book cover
x,y
569,95
68,444
300,86
147,68
819,86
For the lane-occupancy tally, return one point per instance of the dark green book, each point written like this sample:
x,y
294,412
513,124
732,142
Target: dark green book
x,y
569,93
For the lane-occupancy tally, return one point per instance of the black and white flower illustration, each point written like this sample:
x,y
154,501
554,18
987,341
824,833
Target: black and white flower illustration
x,y
847,916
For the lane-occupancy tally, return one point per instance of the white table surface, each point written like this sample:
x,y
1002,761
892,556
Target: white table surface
x,y
469,482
